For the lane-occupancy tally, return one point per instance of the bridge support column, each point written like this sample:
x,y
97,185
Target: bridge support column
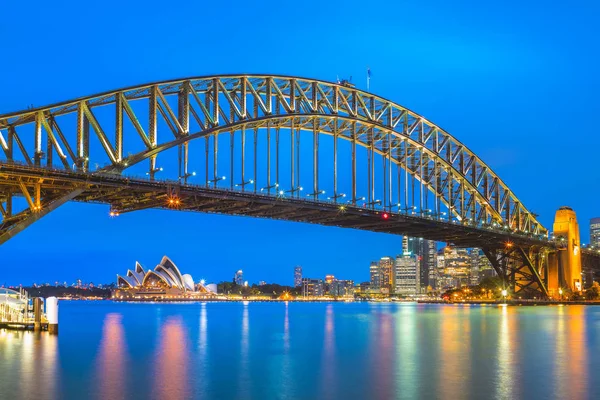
x,y
553,274
566,231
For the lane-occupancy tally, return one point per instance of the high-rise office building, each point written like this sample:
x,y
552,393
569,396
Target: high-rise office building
x,y
406,274
386,275
456,269
475,277
238,278
382,275
425,251
406,245
329,279
297,276
374,270
481,267
433,276
595,232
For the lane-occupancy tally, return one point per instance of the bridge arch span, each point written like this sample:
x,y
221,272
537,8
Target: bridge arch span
x,y
451,181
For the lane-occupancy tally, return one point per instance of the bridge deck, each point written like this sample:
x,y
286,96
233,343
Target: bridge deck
x,y
128,194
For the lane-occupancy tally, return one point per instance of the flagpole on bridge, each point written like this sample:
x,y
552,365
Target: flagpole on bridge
x,y
368,77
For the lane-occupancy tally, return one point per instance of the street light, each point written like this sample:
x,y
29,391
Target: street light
x,y
560,292
504,293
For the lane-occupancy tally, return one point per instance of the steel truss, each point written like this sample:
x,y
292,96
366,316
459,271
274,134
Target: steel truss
x,y
522,269
438,162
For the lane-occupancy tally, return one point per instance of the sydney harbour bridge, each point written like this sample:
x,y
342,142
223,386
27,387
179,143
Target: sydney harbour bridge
x,y
286,148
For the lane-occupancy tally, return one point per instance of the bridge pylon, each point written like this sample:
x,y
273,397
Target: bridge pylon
x,y
564,265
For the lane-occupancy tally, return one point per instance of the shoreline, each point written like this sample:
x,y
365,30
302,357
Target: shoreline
x,y
522,302
515,302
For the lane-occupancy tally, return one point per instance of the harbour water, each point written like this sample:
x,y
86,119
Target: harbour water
x,y
261,351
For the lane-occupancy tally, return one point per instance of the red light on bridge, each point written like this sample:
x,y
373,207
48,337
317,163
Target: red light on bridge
x,y
385,216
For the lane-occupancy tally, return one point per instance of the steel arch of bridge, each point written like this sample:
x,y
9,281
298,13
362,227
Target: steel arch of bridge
x,y
459,180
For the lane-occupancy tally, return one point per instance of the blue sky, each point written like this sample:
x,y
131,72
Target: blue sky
x,y
516,83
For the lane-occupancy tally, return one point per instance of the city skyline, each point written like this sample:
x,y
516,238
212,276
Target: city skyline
x,y
482,74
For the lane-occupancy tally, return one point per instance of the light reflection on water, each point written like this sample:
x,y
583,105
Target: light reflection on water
x,y
244,380
305,351
28,365
171,361
111,361
507,352
328,358
571,374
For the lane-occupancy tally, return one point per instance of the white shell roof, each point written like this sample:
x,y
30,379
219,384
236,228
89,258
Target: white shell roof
x,y
166,271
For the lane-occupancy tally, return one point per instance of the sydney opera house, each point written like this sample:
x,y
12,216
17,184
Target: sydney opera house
x,y
164,282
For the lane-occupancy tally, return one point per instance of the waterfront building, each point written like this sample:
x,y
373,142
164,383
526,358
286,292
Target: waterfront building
x,y
238,278
455,272
327,285
341,288
595,232
386,275
406,274
14,305
312,287
297,276
363,287
164,282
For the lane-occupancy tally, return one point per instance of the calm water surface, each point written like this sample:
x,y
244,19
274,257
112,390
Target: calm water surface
x,y
306,351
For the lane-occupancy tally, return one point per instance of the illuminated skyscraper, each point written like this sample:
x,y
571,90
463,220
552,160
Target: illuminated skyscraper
x,y
386,274
425,252
238,278
297,276
595,232
475,277
329,279
374,270
455,271
406,274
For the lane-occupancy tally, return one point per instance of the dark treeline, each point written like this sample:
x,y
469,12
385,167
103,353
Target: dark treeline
x,y
69,291
272,289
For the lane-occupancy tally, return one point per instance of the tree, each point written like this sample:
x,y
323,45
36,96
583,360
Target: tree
x,y
593,293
